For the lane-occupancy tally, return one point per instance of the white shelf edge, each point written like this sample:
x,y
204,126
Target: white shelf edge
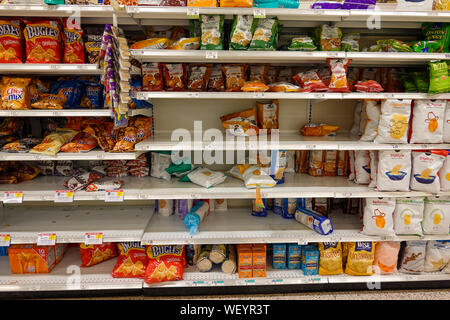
x,y
91,155
20,68
57,113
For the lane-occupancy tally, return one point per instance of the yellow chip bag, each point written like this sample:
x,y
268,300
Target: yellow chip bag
x,y
330,258
185,44
360,258
15,93
345,246
52,143
241,123
153,43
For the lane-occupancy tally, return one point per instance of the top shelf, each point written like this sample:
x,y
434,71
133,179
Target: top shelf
x,y
42,10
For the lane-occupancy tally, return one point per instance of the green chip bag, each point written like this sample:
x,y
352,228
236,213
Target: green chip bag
x,y
212,32
194,29
439,32
420,80
393,45
302,43
178,168
408,83
350,42
426,46
265,36
242,32
439,79
328,37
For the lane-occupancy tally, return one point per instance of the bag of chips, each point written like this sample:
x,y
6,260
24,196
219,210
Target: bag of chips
x,y
265,36
394,170
316,163
92,47
235,76
199,76
408,216
302,43
310,81
174,76
22,145
42,41
216,82
386,256
338,68
378,217
436,217
258,72
52,143
360,258
152,77
154,43
330,258
243,123
236,3
11,41
212,32
286,74
420,80
350,42
72,89
328,37
426,165
82,142
185,44
437,255
439,78
132,261
372,118
368,86
438,32
50,101
394,80
444,175
15,93
362,168
428,121
126,139
165,263
268,115
330,163
394,121
446,133
413,258
242,31
254,86
73,43
96,253
283,87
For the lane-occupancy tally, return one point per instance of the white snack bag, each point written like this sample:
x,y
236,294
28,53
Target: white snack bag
x,y
428,121
290,161
206,178
444,175
413,259
447,125
165,207
160,162
220,204
436,215
373,154
372,118
362,119
356,119
394,170
351,156
362,167
378,217
394,120
437,255
253,176
408,216
425,168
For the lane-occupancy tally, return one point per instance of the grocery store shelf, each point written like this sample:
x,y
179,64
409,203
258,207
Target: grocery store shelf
x,y
237,225
71,222
136,112
49,69
143,95
66,276
389,13
42,10
287,140
91,155
57,113
358,58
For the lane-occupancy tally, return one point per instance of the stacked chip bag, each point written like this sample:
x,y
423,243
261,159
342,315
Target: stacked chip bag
x,y
165,263
94,254
103,185
116,168
139,167
82,178
132,261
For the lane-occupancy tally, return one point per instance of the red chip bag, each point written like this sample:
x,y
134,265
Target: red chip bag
x,y
42,41
152,77
394,82
82,142
96,253
216,82
368,86
73,43
310,81
199,76
166,263
353,77
174,76
235,76
132,261
10,41
338,81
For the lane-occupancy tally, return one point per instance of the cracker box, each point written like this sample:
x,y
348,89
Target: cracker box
x,y
259,260
279,256
294,256
245,261
31,258
310,260
60,249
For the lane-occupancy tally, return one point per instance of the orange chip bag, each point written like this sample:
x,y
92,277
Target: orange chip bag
x,y
254,86
73,44
82,142
174,76
50,101
10,41
235,76
199,76
241,123
165,263
42,41
315,130
310,81
236,3
96,253
268,114
216,82
316,163
272,74
152,78
283,87
132,261
258,72
143,126
338,81
126,139
15,93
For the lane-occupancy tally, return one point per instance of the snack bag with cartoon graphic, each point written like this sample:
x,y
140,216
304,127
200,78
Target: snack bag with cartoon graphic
x,y
338,68
174,76
394,170
436,216
386,257
413,258
235,76
426,165
132,261
165,263
378,217
266,35
437,255
330,258
73,43
212,32
268,115
360,258
242,31
394,121
428,121
10,41
42,41
444,175
241,123
408,216
371,121
362,167
15,94
96,253
447,125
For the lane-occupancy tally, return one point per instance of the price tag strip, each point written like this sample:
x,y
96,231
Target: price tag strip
x,y
113,195
63,196
193,13
46,239
5,240
12,197
93,238
259,13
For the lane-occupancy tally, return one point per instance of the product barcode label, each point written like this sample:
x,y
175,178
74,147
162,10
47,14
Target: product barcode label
x,y
93,238
5,240
259,13
12,197
46,239
63,196
113,195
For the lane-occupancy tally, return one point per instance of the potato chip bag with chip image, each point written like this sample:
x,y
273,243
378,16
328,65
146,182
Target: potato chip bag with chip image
x,y
360,258
330,258
166,263
10,41
425,167
42,41
73,43
394,121
96,253
132,261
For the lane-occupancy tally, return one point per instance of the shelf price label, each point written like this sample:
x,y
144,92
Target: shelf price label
x,y
193,12
258,95
247,282
216,283
259,13
5,240
211,54
198,283
275,281
13,197
113,195
55,67
63,196
93,238
46,239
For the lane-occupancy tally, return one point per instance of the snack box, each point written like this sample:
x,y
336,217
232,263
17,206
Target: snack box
x,y
31,258
279,256
310,260
294,256
259,261
245,261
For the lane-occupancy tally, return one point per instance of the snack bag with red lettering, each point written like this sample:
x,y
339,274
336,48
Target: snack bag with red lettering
x,y
73,43
96,253
42,41
338,68
132,261
166,263
174,76
15,94
199,76
310,81
10,41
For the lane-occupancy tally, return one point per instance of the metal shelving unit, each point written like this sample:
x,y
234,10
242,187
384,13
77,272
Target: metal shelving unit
x,y
91,155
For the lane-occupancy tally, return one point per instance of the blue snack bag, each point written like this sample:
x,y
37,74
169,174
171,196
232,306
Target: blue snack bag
x,y
258,211
92,96
288,208
294,259
278,206
72,89
310,260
